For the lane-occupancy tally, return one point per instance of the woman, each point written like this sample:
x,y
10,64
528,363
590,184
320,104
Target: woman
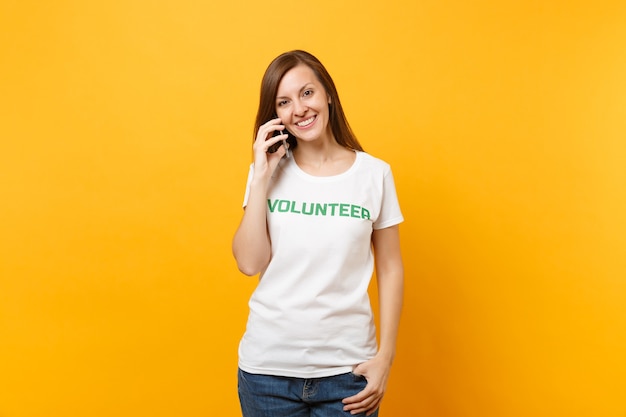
x,y
317,211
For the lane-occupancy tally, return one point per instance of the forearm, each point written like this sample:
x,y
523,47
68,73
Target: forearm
x,y
251,243
377,370
390,278
390,293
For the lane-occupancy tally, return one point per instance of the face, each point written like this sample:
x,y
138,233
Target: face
x,y
302,104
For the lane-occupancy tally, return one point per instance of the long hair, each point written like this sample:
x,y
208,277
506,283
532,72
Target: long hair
x,y
269,88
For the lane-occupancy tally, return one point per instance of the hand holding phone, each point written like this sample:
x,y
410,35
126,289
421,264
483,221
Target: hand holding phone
x,y
273,148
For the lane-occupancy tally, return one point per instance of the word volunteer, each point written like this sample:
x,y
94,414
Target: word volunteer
x,y
318,209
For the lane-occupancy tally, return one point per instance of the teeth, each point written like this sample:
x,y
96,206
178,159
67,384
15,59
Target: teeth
x,y
306,122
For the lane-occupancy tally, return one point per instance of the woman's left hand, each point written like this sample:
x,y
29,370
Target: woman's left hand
x,y
376,372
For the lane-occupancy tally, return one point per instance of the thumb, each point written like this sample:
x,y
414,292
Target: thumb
x,y
359,370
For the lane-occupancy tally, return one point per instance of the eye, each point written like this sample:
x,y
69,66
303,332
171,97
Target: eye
x,y
281,103
307,93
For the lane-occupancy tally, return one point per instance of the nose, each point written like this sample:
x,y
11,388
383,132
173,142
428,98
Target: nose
x,y
299,108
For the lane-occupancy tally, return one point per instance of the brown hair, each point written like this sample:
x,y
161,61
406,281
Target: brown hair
x,y
269,87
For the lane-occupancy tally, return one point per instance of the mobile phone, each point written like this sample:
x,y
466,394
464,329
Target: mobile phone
x,y
277,145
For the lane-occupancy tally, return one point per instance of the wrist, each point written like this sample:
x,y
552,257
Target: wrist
x,y
260,182
386,355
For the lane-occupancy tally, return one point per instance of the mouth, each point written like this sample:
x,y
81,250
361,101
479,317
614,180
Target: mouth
x,y
307,122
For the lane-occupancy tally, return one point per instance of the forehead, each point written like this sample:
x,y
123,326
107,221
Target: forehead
x,y
296,78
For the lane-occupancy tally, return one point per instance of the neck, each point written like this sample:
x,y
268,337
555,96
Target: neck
x,y
318,151
323,158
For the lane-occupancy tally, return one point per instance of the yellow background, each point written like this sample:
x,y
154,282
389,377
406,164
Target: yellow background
x,y
125,138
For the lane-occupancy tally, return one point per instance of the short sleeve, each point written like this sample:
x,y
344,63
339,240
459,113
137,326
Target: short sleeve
x,y
390,213
247,193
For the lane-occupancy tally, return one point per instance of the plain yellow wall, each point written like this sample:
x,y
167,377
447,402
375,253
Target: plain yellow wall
x,y
125,138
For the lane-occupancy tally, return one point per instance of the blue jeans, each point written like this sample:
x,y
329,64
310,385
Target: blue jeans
x,y
277,396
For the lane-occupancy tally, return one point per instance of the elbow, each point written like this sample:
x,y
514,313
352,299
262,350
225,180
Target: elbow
x,y
250,267
250,262
248,270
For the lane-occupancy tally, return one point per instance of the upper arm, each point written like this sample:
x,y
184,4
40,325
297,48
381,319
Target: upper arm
x,y
387,253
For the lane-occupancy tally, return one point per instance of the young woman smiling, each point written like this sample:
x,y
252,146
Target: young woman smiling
x,y
310,345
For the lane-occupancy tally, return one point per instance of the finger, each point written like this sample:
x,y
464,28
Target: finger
x,y
280,152
373,410
362,370
357,398
366,407
268,128
271,123
264,144
359,369
274,126
365,400
275,143
361,403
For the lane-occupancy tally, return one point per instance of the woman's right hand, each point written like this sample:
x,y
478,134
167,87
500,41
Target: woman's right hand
x,y
265,163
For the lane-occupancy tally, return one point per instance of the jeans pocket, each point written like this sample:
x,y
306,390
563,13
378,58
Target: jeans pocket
x,y
358,378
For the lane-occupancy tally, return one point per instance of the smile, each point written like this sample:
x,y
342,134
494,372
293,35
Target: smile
x,y
306,122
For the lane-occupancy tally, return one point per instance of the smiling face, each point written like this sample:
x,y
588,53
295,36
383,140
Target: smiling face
x,y
302,105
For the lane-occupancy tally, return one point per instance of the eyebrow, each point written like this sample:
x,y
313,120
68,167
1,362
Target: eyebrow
x,y
304,87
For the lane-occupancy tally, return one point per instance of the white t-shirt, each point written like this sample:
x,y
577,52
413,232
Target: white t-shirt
x,y
310,315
